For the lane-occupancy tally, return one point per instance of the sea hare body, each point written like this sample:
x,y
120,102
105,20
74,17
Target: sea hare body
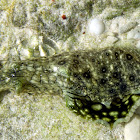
x,y
100,83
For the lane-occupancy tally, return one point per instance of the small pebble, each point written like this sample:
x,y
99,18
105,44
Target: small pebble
x,y
96,26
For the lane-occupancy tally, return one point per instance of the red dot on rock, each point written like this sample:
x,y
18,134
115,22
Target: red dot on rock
x,y
64,16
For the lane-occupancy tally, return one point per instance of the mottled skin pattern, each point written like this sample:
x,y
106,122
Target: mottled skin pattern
x,y
103,84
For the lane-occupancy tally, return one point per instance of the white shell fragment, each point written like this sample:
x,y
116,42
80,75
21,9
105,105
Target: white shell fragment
x,y
132,129
96,26
138,44
125,28
111,39
134,34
